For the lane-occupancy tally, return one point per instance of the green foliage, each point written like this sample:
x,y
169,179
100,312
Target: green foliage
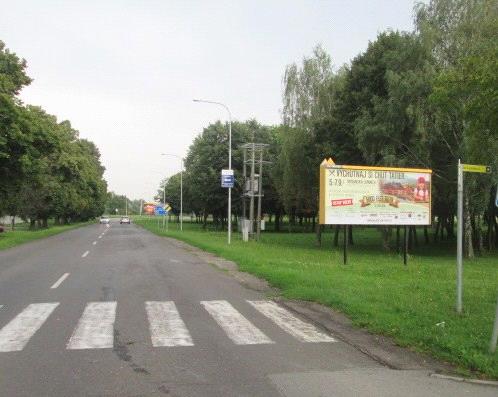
x,y
12,72
207,156
46,171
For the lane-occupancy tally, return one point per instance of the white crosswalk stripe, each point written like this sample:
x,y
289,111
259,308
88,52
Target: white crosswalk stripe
x,y
95,329
16,334
304,332
166,326
235,325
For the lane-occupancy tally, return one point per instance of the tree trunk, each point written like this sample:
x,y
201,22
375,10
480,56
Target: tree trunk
x,y
397,239
468,247
426,235
386,237
450,226
45,223
350,234
277,221
336,235
32,224
319,229
13,223
436,232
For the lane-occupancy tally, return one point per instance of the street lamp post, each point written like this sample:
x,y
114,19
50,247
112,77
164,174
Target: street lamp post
x,y
229,161
181,186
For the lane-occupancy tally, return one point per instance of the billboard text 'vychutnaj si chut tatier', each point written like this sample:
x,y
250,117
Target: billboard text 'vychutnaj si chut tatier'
x,y
361,195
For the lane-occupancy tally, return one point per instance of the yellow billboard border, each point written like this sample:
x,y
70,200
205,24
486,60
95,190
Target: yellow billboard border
x,y
330,164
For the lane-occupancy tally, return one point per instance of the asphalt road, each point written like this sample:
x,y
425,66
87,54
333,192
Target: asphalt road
x,y
117,311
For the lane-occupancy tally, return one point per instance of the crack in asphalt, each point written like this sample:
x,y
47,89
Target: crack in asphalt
x,y
123,353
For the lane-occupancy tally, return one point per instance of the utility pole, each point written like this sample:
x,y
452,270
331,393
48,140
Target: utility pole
x,y
253,184
260,194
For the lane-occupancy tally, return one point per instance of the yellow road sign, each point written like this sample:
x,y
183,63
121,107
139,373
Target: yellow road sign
x,y
482,169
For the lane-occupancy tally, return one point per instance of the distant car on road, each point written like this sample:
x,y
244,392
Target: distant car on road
x,y
104,220
125,219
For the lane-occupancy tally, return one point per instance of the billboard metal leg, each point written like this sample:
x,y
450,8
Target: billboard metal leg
x,y
345,244
405,245
494,336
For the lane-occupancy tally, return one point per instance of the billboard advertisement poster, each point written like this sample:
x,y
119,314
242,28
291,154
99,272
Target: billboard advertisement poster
x,y
149,208
362,195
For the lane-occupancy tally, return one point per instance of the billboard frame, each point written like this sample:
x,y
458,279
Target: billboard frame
x,y
328,164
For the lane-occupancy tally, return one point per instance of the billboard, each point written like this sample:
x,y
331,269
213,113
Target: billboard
x,y
149,208
362,195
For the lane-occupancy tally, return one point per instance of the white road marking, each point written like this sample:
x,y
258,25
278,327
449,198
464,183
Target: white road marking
x,y
100,236
94,243
305,332
166,326
16,334
95,329
85,254
236,326
174,260
59,281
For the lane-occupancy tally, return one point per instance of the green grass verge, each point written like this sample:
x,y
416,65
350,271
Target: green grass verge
x,y
413,304
22,234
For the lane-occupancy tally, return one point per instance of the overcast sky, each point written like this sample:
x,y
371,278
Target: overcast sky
x,y
125,72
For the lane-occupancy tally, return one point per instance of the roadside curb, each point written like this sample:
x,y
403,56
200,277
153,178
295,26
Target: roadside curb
x,y
466,380
379,348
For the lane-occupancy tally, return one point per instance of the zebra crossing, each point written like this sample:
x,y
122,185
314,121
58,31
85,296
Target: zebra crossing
x,y
95,327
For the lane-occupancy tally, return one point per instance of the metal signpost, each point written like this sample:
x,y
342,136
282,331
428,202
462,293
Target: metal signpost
x,y
494,336
159,211
167,209
481,169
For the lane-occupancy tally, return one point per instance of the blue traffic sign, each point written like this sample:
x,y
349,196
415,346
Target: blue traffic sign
x,y
227,180
159,210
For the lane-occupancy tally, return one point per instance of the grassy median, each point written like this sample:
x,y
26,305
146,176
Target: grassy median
x,y
413,304
22,234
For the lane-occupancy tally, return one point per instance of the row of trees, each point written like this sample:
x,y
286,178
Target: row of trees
x,y
421,99
46,170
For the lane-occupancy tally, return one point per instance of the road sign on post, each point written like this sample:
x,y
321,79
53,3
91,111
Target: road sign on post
x,y
159,210
227,178
481,169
